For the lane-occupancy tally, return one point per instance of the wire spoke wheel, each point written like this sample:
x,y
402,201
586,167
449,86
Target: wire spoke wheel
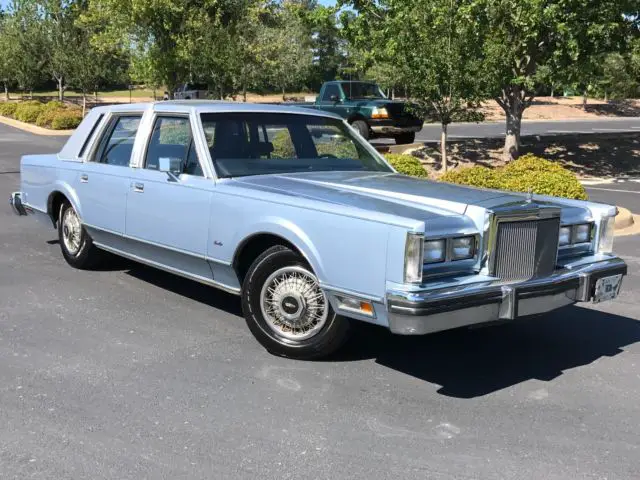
x,y
293,304
71,231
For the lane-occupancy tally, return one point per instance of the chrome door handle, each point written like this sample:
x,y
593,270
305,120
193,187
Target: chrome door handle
x,y
84,178
138,187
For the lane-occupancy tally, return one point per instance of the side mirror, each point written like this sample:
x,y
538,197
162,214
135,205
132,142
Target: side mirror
x,y
334,98
171,166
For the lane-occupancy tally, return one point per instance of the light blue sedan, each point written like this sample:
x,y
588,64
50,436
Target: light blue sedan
x,y
292,210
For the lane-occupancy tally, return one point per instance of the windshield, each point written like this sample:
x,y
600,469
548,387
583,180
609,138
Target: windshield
x,y
362,90
243,144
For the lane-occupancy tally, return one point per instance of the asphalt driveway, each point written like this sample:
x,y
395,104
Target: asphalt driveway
x,y
131,373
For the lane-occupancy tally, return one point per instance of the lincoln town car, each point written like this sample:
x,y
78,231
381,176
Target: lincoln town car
x,y
295,212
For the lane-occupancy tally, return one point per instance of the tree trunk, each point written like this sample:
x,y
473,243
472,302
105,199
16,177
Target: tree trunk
x,y
443,147
606,96
393,93
61,89
6,92
553,91
584,100
512,139
284,99
95,96
154,94
84,103
244,92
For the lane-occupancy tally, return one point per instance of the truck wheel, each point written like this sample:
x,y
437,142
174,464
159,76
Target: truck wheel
x,y
76,244
362,128
405,138
287,311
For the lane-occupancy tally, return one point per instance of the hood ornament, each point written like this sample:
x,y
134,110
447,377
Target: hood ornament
x,y
529,198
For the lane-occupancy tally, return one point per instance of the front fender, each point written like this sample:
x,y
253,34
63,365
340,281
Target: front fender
x,y
290,232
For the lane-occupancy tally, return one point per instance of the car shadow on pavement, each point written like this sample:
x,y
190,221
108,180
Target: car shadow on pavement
x,y
466,363
198,292
470,363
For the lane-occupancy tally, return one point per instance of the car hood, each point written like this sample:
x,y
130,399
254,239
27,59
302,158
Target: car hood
x,y
388,193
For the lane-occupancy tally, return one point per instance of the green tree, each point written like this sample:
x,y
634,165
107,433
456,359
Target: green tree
x,y
59,29
284,50
26,43
520,36
6,61
431,44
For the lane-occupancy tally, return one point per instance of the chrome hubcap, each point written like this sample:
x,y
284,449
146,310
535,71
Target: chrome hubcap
x,y
71,231
293,304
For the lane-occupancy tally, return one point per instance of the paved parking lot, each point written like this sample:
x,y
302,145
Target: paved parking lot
x,y
131,373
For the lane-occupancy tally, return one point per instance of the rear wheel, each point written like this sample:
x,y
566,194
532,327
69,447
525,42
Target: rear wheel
x,y
287,311
76,244
362,128
405,138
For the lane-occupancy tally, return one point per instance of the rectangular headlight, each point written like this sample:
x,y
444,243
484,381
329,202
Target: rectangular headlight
x,y
463,248
582,233
413,258
435,251
565,236
605,239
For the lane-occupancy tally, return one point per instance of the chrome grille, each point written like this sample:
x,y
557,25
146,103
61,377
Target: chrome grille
x,y
525,249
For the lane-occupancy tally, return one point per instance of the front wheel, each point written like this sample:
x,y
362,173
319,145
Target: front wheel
x,y
362,128
405,138
76,244
287,311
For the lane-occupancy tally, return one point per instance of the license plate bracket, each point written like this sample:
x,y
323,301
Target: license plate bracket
x,y
607,288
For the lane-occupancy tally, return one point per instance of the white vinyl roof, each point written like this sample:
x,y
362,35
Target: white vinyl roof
x,y
212,106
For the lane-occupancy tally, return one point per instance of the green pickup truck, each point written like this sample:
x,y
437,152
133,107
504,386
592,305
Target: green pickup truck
x,y
368,110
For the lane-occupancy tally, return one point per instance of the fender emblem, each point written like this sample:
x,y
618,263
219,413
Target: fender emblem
x,y
217,243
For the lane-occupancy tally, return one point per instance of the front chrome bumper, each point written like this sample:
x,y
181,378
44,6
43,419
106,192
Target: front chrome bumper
x,y
16,204
427,311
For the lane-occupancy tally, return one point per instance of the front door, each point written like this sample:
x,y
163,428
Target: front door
x,y
102,183
168,206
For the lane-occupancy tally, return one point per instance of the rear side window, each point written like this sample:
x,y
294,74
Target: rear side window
x,y
116,145
90,136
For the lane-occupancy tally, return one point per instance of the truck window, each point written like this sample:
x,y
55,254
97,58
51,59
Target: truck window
x,y
362,90
329,91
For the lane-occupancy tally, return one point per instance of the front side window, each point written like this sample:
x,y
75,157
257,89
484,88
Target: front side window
x,y
116,145
171,147
243,144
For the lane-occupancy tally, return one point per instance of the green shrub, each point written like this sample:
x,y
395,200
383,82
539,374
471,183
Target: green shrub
x,y
28,112
527,173
46,117
66,120
54,105
475,176
406,164
542,177
8,109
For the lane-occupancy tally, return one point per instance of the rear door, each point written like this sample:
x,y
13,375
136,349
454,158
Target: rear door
x,y
102,183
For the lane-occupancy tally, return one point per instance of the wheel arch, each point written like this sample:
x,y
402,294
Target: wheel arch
x,y
254,244
357,116
55,199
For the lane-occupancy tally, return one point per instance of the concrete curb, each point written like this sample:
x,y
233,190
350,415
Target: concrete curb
x,y
27,127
